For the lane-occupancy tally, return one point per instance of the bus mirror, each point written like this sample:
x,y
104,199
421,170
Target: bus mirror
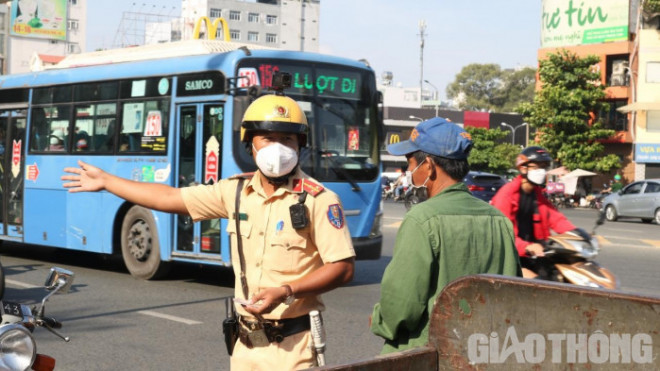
x,y
254,92
241,104
380,125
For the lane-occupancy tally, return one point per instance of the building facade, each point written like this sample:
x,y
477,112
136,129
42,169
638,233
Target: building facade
x,y
284,24
610,30
404,108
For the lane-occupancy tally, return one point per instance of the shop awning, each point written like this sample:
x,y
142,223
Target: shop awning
x,y
640,106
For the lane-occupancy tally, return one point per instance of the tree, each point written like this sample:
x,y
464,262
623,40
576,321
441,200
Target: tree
x,y
489,153
486,87
563,112
518,88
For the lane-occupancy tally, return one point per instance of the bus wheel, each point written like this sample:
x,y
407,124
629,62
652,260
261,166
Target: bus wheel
x,y
139,244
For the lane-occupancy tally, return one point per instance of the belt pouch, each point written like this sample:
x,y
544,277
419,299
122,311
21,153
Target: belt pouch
x,y
230,326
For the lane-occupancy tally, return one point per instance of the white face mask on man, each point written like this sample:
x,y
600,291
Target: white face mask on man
x,y
536,176
276,160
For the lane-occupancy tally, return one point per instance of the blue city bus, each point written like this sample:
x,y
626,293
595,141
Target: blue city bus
x,y
173,117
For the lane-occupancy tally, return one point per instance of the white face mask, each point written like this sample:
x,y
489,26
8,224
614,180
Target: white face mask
x,y
420,191
276,160
536,176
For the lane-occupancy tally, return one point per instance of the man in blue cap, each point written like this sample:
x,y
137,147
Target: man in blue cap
x,y
451,234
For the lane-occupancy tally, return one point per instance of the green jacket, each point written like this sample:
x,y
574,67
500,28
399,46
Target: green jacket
x,y
450,235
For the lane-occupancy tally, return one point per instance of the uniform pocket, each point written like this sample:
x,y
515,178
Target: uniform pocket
x,y
246,228
286,252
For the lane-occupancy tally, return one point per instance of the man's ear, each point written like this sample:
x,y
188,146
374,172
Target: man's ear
x,y
432,169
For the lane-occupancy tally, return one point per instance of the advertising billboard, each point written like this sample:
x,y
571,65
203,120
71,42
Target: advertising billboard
x,y
568,22
41,19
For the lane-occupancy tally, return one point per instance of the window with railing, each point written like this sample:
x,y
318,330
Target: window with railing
x,y
253,17
271,19
234,15
253,36
613,119
235,34
271,38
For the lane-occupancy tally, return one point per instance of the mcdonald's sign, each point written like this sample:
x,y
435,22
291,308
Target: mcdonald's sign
x,y
211,28
394,138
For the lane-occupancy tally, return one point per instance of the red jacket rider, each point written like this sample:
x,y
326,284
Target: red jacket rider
x,y
531,163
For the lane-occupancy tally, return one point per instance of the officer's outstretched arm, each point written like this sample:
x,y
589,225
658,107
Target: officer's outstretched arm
x,y
88,178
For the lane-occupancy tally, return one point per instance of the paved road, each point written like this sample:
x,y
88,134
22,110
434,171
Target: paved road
x,y
117,322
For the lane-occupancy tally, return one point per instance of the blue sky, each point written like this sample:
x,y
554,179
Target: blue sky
x,y
386,33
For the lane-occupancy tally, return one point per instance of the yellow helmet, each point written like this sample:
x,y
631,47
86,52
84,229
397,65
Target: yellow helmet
x,y
274,113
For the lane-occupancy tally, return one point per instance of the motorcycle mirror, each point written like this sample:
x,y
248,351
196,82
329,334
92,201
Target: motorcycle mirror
x,y
60,280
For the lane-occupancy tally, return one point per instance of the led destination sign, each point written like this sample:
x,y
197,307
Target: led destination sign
x,y
325,82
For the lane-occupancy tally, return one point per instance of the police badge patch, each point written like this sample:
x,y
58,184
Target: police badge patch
x,y
335,216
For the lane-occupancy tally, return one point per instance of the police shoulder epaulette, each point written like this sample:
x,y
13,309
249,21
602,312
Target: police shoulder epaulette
x,y
242,175
308,186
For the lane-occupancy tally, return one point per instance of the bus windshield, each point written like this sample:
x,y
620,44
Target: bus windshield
x,y
341,111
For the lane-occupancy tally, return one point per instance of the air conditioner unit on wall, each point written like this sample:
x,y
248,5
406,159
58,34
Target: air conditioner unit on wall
x,y
618,77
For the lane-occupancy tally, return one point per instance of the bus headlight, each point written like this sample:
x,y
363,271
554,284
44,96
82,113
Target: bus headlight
x,y
376,227
17,347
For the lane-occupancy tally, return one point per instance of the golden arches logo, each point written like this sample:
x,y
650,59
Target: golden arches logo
x,y
394,138
211,28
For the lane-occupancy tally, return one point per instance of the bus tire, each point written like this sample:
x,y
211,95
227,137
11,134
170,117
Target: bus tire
x,y
140,248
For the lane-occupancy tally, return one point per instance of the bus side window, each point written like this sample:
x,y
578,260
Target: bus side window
x,y
39,140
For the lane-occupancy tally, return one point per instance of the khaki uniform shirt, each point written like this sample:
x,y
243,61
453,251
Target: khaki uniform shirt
x,y
276,253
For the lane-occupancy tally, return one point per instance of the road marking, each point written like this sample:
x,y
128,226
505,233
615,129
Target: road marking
x,y
654,243
393,225
602,240
21,284
171,318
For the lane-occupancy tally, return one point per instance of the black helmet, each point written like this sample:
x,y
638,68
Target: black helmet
x,y
532,154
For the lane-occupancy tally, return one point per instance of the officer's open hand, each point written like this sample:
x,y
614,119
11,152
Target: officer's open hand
x,y
266,300
86,178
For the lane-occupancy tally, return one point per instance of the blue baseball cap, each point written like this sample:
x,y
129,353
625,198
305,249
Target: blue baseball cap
x,y
438,137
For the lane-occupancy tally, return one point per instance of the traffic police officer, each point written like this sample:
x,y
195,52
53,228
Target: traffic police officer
x,y
294,237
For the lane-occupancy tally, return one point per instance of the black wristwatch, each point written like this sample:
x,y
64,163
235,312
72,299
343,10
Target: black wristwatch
x,y
289,295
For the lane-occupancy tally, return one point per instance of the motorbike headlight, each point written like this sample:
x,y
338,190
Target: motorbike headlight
x,y
17,347
586,248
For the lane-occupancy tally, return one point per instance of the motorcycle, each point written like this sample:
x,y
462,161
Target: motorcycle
x,y
408,197
388,191
569,258
19,349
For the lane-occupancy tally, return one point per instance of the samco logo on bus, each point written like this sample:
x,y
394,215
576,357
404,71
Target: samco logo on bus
x,y
199,84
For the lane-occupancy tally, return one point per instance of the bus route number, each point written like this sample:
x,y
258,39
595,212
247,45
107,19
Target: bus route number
x,y
247,77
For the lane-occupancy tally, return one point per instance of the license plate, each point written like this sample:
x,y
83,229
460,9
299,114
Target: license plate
x,y
12,309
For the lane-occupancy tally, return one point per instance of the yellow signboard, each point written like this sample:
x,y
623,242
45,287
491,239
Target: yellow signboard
x,y
211,28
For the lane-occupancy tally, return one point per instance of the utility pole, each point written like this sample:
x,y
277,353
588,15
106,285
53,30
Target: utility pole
x,y
422,28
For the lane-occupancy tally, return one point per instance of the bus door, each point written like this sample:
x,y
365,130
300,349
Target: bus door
x,y
199,142
12,163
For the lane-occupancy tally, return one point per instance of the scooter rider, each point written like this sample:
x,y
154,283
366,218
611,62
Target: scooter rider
x,y
291,231
531,213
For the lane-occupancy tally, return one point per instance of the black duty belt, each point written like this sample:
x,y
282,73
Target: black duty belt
x,y
255,333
